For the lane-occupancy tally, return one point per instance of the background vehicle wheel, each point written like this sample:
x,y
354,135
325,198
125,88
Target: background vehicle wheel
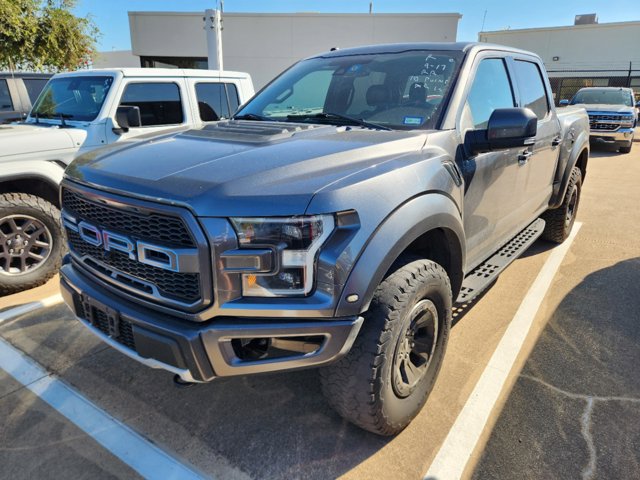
x,y
384,381
559,221
31,242
627,148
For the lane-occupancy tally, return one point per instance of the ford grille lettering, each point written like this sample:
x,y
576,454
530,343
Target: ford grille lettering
x,y
180,260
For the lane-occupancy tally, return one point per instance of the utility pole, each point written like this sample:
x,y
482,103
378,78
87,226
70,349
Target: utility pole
x,y
213,28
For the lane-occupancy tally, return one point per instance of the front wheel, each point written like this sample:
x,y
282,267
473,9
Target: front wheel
x,y
384,381
31,242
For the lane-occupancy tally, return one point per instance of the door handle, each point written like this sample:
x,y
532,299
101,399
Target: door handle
x,y
556,141
524,157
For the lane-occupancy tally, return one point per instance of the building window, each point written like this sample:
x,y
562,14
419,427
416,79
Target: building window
x,y
174,62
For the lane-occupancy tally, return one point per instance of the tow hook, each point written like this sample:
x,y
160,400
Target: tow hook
x,y
180,383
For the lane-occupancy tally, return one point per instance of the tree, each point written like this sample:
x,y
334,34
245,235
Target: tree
x,y
44,35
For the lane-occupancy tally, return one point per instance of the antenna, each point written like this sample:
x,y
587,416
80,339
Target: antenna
x,y
370,7
483,20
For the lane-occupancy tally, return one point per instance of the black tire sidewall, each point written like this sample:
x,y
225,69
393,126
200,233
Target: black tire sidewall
x,y
10,284
575,185
400,411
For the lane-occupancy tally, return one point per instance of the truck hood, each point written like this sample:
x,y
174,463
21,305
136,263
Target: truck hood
x,y
23,139
607,108
241,168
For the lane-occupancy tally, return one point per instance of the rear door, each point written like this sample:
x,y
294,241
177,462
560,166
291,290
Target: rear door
x,y
490,178
538,164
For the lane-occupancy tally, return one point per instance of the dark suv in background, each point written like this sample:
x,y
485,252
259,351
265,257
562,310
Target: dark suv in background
x,y
18,92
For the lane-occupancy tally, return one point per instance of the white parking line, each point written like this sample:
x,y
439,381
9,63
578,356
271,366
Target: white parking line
x,y
139,453
29,307
453,456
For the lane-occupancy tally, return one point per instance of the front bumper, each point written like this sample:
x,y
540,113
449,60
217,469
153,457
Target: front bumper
x,y
198,352
620,136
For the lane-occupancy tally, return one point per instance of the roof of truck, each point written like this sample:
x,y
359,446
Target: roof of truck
x,y
160,72
402,47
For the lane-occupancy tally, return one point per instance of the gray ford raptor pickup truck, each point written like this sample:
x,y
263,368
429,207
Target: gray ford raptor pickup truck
x,y
334,222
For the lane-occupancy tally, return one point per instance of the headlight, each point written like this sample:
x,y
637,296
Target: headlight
x,y
295,241
627,121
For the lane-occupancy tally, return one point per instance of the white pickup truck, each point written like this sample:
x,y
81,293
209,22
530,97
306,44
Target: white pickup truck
x,y
82,111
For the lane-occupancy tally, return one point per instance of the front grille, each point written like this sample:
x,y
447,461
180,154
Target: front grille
x,y
99,320
179,289
604,126
609,122
165,230
183,287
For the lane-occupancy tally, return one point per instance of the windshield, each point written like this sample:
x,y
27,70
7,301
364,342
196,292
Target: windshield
x,y
603,97
402,90
72,98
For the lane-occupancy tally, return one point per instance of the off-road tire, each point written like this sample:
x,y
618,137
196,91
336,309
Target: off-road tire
x,y
16,204
559,221
359,386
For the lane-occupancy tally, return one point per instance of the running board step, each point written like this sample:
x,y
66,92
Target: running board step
x,y
484,274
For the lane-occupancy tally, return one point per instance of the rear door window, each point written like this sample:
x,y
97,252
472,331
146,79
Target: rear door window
x,y
6,105
531,87
159,103
216,100
34,86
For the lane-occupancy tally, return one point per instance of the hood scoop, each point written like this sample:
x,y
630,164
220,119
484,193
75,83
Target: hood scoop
x,y
247,131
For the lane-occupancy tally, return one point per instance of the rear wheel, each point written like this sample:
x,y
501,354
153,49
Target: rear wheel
x,y
31,242
384,381
559,221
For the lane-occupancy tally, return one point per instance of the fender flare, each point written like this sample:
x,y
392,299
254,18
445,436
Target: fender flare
x,y
581,143
401,228
48,173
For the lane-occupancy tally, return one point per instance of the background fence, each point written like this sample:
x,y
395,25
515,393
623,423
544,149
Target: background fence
x,y
565,83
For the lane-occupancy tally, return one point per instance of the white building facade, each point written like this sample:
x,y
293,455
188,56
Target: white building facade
x,y
596,54
266,44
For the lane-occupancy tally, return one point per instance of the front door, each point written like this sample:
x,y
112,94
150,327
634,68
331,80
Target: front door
x,y
490,178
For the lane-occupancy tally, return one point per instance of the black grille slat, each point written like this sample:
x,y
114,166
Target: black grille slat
x,y
166,230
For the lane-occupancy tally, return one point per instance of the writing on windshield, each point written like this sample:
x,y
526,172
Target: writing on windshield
x,y
400,90
73,98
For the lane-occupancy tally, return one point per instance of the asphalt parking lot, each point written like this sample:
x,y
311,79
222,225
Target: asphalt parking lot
x,y
569,406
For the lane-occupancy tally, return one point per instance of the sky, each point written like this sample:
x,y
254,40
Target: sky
x,y
112,20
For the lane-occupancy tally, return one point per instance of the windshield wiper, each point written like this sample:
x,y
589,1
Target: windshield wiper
x,y
251,116
330,115
62,117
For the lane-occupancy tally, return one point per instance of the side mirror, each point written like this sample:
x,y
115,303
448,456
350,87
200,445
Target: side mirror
x,y
637,104
564,102
127,117
507,128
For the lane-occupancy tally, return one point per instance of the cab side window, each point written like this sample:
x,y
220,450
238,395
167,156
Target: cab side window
x,y
491,89
216,100
5,99
34,86
159,103
531,87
